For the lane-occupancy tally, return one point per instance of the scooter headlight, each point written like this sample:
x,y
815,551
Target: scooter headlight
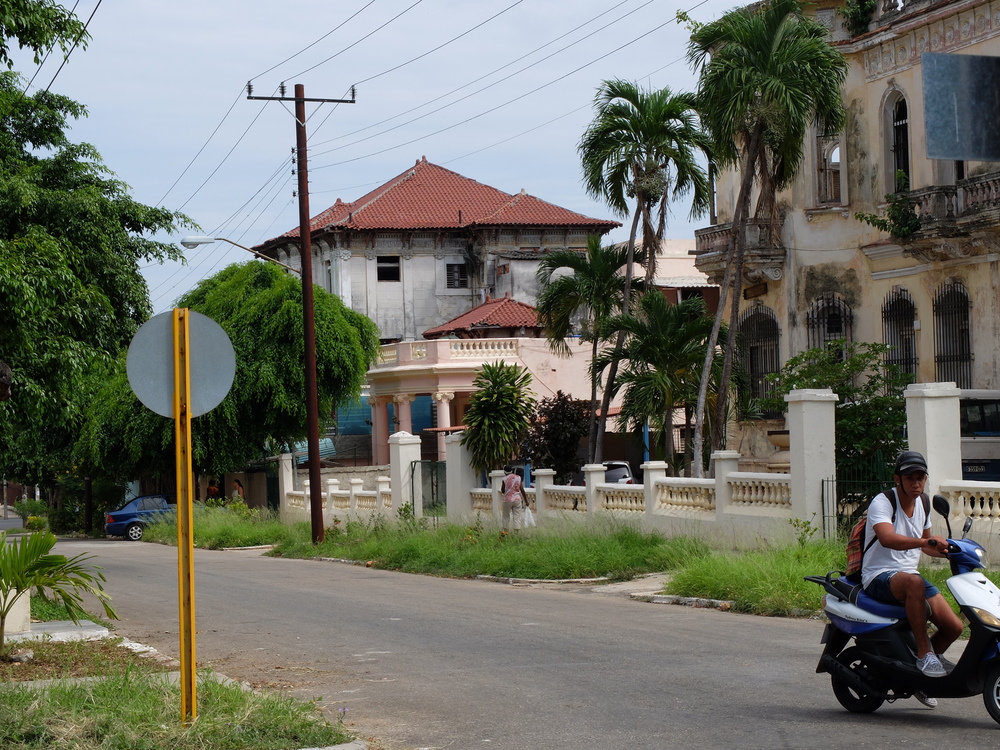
x,y
987,618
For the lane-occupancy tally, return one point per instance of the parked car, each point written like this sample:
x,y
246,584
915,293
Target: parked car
x,y
615,472
130,520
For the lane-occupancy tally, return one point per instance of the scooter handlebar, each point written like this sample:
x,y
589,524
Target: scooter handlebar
x,y
949,548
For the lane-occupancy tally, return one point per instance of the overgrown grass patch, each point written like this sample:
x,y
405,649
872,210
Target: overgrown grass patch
x,y
138,711
61,659
558,550
216,528
765,581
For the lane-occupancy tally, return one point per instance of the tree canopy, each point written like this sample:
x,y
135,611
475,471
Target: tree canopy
x,y
499,414
71,293
260,307
38,25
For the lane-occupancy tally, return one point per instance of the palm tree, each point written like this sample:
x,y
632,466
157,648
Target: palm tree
x,y
642,145
498,416
665,346
26,564
591,290
767,73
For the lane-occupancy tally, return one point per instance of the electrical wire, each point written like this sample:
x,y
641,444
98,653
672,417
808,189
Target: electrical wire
x,y
75,43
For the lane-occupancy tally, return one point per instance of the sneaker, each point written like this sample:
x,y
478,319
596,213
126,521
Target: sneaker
x,y
946,663
925,699
930,666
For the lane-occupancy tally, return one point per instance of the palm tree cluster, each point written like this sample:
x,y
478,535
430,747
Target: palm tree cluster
x,y
766,73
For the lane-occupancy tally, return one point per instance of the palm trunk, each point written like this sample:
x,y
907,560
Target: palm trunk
x,y
592,443
739,228
598,451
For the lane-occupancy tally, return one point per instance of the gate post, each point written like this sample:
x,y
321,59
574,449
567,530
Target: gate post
x,y
812,445
460,479
404,449
934,428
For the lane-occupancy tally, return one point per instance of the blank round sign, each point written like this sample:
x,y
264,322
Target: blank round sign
x,y
150,363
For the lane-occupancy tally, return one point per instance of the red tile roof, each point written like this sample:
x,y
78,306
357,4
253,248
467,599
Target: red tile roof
x,y
427,196
493,313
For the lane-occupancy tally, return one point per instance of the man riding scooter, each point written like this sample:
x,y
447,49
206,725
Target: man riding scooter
x,y
889,573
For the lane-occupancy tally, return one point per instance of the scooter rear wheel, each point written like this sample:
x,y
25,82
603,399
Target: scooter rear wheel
x,y
991,693
854,700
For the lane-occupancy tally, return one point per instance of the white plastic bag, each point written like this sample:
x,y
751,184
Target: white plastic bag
x,y
529,517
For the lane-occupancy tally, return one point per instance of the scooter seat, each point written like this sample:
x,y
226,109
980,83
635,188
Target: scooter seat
x,y
881,609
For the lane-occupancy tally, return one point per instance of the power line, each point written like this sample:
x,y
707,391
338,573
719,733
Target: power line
x,y
75,43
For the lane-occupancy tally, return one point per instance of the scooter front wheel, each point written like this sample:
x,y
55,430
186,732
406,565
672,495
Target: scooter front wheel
x,y
851,697
991,693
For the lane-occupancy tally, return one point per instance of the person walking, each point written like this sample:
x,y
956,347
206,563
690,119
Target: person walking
x,y
238,493
513,499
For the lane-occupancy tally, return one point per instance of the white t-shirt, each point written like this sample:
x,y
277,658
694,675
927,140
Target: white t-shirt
x,y
878,559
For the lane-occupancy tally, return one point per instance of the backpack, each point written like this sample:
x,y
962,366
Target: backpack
x,y
856,543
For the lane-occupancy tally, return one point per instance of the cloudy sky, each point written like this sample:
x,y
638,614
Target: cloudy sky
x,y
497,90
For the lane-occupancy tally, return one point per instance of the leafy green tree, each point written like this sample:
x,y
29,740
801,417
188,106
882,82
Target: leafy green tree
x,y
38,25
71,294
557,426
871,412
642,146
27,564
499,414
587,289
260,307
664,348
767,73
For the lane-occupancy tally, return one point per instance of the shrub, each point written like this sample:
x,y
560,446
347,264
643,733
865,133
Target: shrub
x,y
35,523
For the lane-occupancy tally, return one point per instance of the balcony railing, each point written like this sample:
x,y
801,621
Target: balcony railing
x,y
764,259
446,350
954,213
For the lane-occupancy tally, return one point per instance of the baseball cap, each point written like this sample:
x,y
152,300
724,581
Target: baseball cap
x,y
909,462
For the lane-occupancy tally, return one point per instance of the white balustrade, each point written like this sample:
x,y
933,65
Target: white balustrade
x,y
628,497
483,348
762,490
685,493
974,499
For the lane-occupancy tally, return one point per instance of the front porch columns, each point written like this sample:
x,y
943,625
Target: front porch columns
x,y
442,399
380,429
404,415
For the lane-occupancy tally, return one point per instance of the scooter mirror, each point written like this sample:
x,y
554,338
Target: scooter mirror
x,y
968,525
941,505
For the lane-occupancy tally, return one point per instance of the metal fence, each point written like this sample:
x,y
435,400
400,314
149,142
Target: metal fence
x,y
846,496
430,482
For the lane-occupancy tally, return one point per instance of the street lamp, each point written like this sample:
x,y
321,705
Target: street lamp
x,y
193,241
312,393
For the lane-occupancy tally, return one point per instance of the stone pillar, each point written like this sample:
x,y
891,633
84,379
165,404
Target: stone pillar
x,y
380,429
460,479
442,401
811,447
933,427
404,449
403,411
544,478
724,463
592,474
651,471
356,485
286,483
383,485
332,485
19,619
496,487
307,496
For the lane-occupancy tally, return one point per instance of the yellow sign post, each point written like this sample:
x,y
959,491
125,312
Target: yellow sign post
x,y
185,525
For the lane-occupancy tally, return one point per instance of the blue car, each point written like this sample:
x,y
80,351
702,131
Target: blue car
x,y
130,520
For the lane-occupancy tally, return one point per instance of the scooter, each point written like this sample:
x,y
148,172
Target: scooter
x,y
881,665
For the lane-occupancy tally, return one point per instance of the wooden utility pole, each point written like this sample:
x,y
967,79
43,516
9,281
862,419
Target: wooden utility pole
x,y
309,323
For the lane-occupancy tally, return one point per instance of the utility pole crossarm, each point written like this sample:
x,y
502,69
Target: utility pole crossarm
x,y
303,99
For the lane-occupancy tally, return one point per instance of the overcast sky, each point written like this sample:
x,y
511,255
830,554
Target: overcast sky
x,y
499,91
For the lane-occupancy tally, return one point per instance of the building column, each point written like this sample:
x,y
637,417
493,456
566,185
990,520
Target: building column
x,y
404,415
380,429
442,400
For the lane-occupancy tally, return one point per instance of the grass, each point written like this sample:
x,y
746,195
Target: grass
x,y
133,707
217,528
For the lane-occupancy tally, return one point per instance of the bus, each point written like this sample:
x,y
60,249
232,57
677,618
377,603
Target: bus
x,y
979,414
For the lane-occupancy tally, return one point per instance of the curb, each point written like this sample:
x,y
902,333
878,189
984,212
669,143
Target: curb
x,y
685,601
525,581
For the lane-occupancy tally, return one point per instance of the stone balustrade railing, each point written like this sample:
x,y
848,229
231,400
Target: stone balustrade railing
x,y
973,499
767,491
684,494
623,497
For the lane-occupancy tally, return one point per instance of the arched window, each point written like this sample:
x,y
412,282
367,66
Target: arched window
x,y
900,145
829,170
952,336
758,338
829,319
898,332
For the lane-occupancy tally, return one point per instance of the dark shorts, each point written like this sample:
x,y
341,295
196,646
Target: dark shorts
x,y
879,589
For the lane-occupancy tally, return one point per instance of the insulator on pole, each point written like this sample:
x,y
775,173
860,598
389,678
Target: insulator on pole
x,y
249,88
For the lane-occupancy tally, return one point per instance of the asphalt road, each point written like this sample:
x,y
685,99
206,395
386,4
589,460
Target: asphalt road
x,y
423,662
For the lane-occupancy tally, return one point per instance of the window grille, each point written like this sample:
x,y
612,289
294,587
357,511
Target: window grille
x,y
952,337
830,319
387,267
458,276
758,337
898,316
900,144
